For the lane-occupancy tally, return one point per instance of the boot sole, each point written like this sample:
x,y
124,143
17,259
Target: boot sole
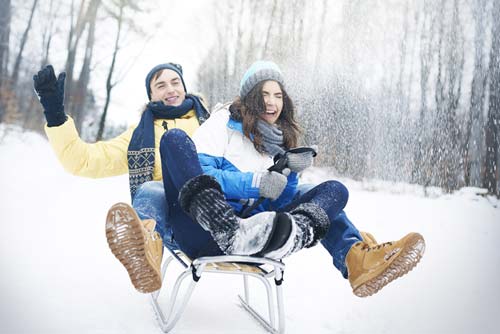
x,y
402,264
126,241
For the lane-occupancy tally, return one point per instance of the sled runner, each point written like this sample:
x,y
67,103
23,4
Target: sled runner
x,y
262,269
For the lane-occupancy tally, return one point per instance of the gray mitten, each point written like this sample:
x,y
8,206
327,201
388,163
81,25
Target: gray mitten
x,y
271,184
297,162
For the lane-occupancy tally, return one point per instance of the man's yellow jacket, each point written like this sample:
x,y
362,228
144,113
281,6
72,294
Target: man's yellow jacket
x,y
107,158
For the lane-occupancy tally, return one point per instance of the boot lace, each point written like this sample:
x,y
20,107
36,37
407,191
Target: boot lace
x,y
368,248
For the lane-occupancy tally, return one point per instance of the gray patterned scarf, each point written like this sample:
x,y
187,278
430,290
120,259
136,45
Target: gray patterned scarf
x,y
272,138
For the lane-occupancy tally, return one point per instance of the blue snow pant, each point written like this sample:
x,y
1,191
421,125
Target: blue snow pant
x,y
179,163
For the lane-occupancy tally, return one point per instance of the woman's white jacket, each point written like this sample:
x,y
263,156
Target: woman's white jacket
x,y
226,154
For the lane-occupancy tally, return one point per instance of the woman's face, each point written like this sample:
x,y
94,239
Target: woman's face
x,y
273,99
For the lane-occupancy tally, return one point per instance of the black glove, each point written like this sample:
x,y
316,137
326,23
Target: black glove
x,y
51,93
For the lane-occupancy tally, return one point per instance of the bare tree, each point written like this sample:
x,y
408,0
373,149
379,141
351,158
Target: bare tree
x,y
400,100
5,9
454,68
473,143
421,166
48,33
19,58
120,7
492,131
252,45
5,12
268,36
80,92
86,12
320,35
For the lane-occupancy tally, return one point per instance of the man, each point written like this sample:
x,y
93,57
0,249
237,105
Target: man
x,y
136,152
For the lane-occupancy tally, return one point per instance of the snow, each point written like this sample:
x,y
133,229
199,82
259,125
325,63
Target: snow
x,y
58,275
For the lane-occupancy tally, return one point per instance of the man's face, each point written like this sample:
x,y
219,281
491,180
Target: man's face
x,y
168,88
273,99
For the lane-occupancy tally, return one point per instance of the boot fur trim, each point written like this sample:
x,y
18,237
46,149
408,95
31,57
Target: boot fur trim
x,y
319,218
193,187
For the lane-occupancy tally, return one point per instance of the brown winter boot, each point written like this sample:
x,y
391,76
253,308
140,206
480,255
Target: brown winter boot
x,y
371,266
137,245
368,238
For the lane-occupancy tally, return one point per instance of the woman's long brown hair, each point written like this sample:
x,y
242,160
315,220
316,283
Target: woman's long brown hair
x,y
248,110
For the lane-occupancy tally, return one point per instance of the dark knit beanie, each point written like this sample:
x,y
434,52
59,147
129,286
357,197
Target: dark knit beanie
x,y
168,66
259,71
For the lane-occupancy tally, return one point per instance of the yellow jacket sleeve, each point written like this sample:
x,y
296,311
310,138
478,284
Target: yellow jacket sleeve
x,y
101,159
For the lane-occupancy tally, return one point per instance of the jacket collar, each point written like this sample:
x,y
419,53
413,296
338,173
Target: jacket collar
x,y
235,125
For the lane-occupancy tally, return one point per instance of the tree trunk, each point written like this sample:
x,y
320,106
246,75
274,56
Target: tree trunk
x,y
250,54
474,132
266,51
75,33
492,131
109,84
19,58
319,41
80,91
421,167
47,35
402,65
282,52
5,8
454,73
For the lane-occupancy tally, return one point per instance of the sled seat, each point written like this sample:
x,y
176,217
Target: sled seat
x,y
262,269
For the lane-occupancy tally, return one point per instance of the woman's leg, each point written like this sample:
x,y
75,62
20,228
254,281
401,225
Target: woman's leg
x,y
332,197
150,203
180,164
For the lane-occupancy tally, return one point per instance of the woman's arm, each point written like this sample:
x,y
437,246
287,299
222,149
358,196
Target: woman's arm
x,y
236,185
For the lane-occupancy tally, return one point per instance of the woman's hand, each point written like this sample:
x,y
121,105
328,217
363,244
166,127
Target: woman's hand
x,y
272,184
297,162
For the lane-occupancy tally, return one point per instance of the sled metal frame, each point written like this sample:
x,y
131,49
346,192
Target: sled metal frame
x,y
262,269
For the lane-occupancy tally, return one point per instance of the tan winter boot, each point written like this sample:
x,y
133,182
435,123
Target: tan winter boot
x,y
137,245
371,266
368,238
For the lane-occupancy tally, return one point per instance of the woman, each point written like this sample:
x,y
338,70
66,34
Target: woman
x,y
136,152
234,148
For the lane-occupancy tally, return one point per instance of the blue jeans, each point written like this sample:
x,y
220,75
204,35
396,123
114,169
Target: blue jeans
x,y
150,203
342,234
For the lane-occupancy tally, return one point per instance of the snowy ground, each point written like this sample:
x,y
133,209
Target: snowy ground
x,y
58,276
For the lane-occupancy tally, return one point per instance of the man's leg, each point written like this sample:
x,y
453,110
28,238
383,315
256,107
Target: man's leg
x,y
332,197
341,236
150,203
137,245
368,266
